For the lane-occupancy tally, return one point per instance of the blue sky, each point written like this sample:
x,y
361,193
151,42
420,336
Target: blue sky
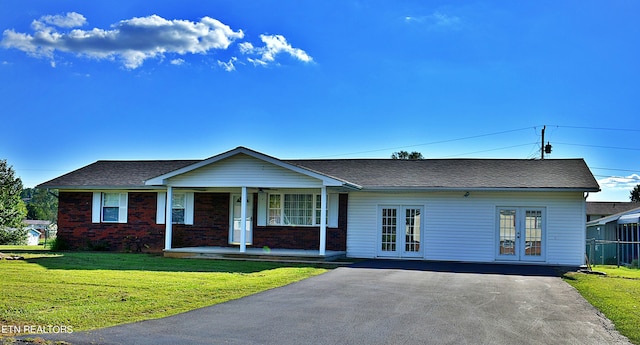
x,y
82,81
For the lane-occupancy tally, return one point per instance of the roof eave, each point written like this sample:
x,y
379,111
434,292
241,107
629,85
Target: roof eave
x,y
476,189
81,188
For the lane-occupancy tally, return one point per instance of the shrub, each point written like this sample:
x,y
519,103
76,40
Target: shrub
x,y
13,236
58,244
98,246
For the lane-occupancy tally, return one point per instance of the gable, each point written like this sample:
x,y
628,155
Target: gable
x,y
243,170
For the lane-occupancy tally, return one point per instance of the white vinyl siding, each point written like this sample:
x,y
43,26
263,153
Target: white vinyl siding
x,y
244,170
464,229
109,207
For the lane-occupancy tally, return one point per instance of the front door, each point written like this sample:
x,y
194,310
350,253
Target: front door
x,y
236,216
521,234
400,231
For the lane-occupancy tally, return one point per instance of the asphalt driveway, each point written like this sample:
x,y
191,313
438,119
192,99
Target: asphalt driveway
x,y
388,302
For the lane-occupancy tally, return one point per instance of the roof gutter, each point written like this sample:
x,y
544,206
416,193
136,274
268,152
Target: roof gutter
x,y
474,189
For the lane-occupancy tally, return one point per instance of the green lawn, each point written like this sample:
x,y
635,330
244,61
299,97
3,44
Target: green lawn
x,y
8,249
94,290
617,295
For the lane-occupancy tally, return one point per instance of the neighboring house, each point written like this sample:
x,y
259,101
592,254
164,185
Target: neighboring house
x,y
40,225
33,237
603,232
600,209
479,210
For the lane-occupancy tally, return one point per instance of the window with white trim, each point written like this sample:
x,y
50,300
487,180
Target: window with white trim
x,y
178,208
294,209
109,207
275,209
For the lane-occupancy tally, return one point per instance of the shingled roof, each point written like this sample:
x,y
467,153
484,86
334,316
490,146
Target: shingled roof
x,y
609,207
115,174
428,174
459,173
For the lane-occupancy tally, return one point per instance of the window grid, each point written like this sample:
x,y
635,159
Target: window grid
x,y
389,227
295,209
110,207
533,233
298,209
508,232
275,209
178,206
412,236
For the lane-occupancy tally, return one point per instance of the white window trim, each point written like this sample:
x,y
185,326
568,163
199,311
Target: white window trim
x,y
332,210
188,207
97,206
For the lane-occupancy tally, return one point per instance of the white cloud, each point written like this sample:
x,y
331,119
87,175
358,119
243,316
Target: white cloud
x,y
257,62
228,66
620,182
69,20
274,45
246,47
132,41
437,21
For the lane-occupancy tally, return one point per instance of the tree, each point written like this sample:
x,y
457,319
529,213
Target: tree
x,y
12,208
635,194
407,156
42,204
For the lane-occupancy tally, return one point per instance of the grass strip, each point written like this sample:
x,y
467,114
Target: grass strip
x,y
616,295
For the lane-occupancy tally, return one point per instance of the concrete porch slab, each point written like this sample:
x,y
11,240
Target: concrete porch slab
x,y
257,254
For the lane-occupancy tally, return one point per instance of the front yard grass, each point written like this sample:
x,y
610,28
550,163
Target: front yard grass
x,y
94,290
616,295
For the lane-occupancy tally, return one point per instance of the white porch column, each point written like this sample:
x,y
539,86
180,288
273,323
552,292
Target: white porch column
x,y
168,234
323,221
243,220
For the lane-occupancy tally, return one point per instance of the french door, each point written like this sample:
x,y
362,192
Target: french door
x,y
521,234
400,231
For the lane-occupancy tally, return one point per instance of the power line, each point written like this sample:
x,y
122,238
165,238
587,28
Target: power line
x,y
496,149
434,142
599,146
601,128
615,169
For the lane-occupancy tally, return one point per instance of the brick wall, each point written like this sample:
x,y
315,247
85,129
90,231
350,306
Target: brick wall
x,y
304,237
210,228
210,222
140,233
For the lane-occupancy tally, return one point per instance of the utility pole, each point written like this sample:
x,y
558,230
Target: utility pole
x,y
544,149
542,145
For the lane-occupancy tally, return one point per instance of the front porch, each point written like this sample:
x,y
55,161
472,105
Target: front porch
x,y
255,254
